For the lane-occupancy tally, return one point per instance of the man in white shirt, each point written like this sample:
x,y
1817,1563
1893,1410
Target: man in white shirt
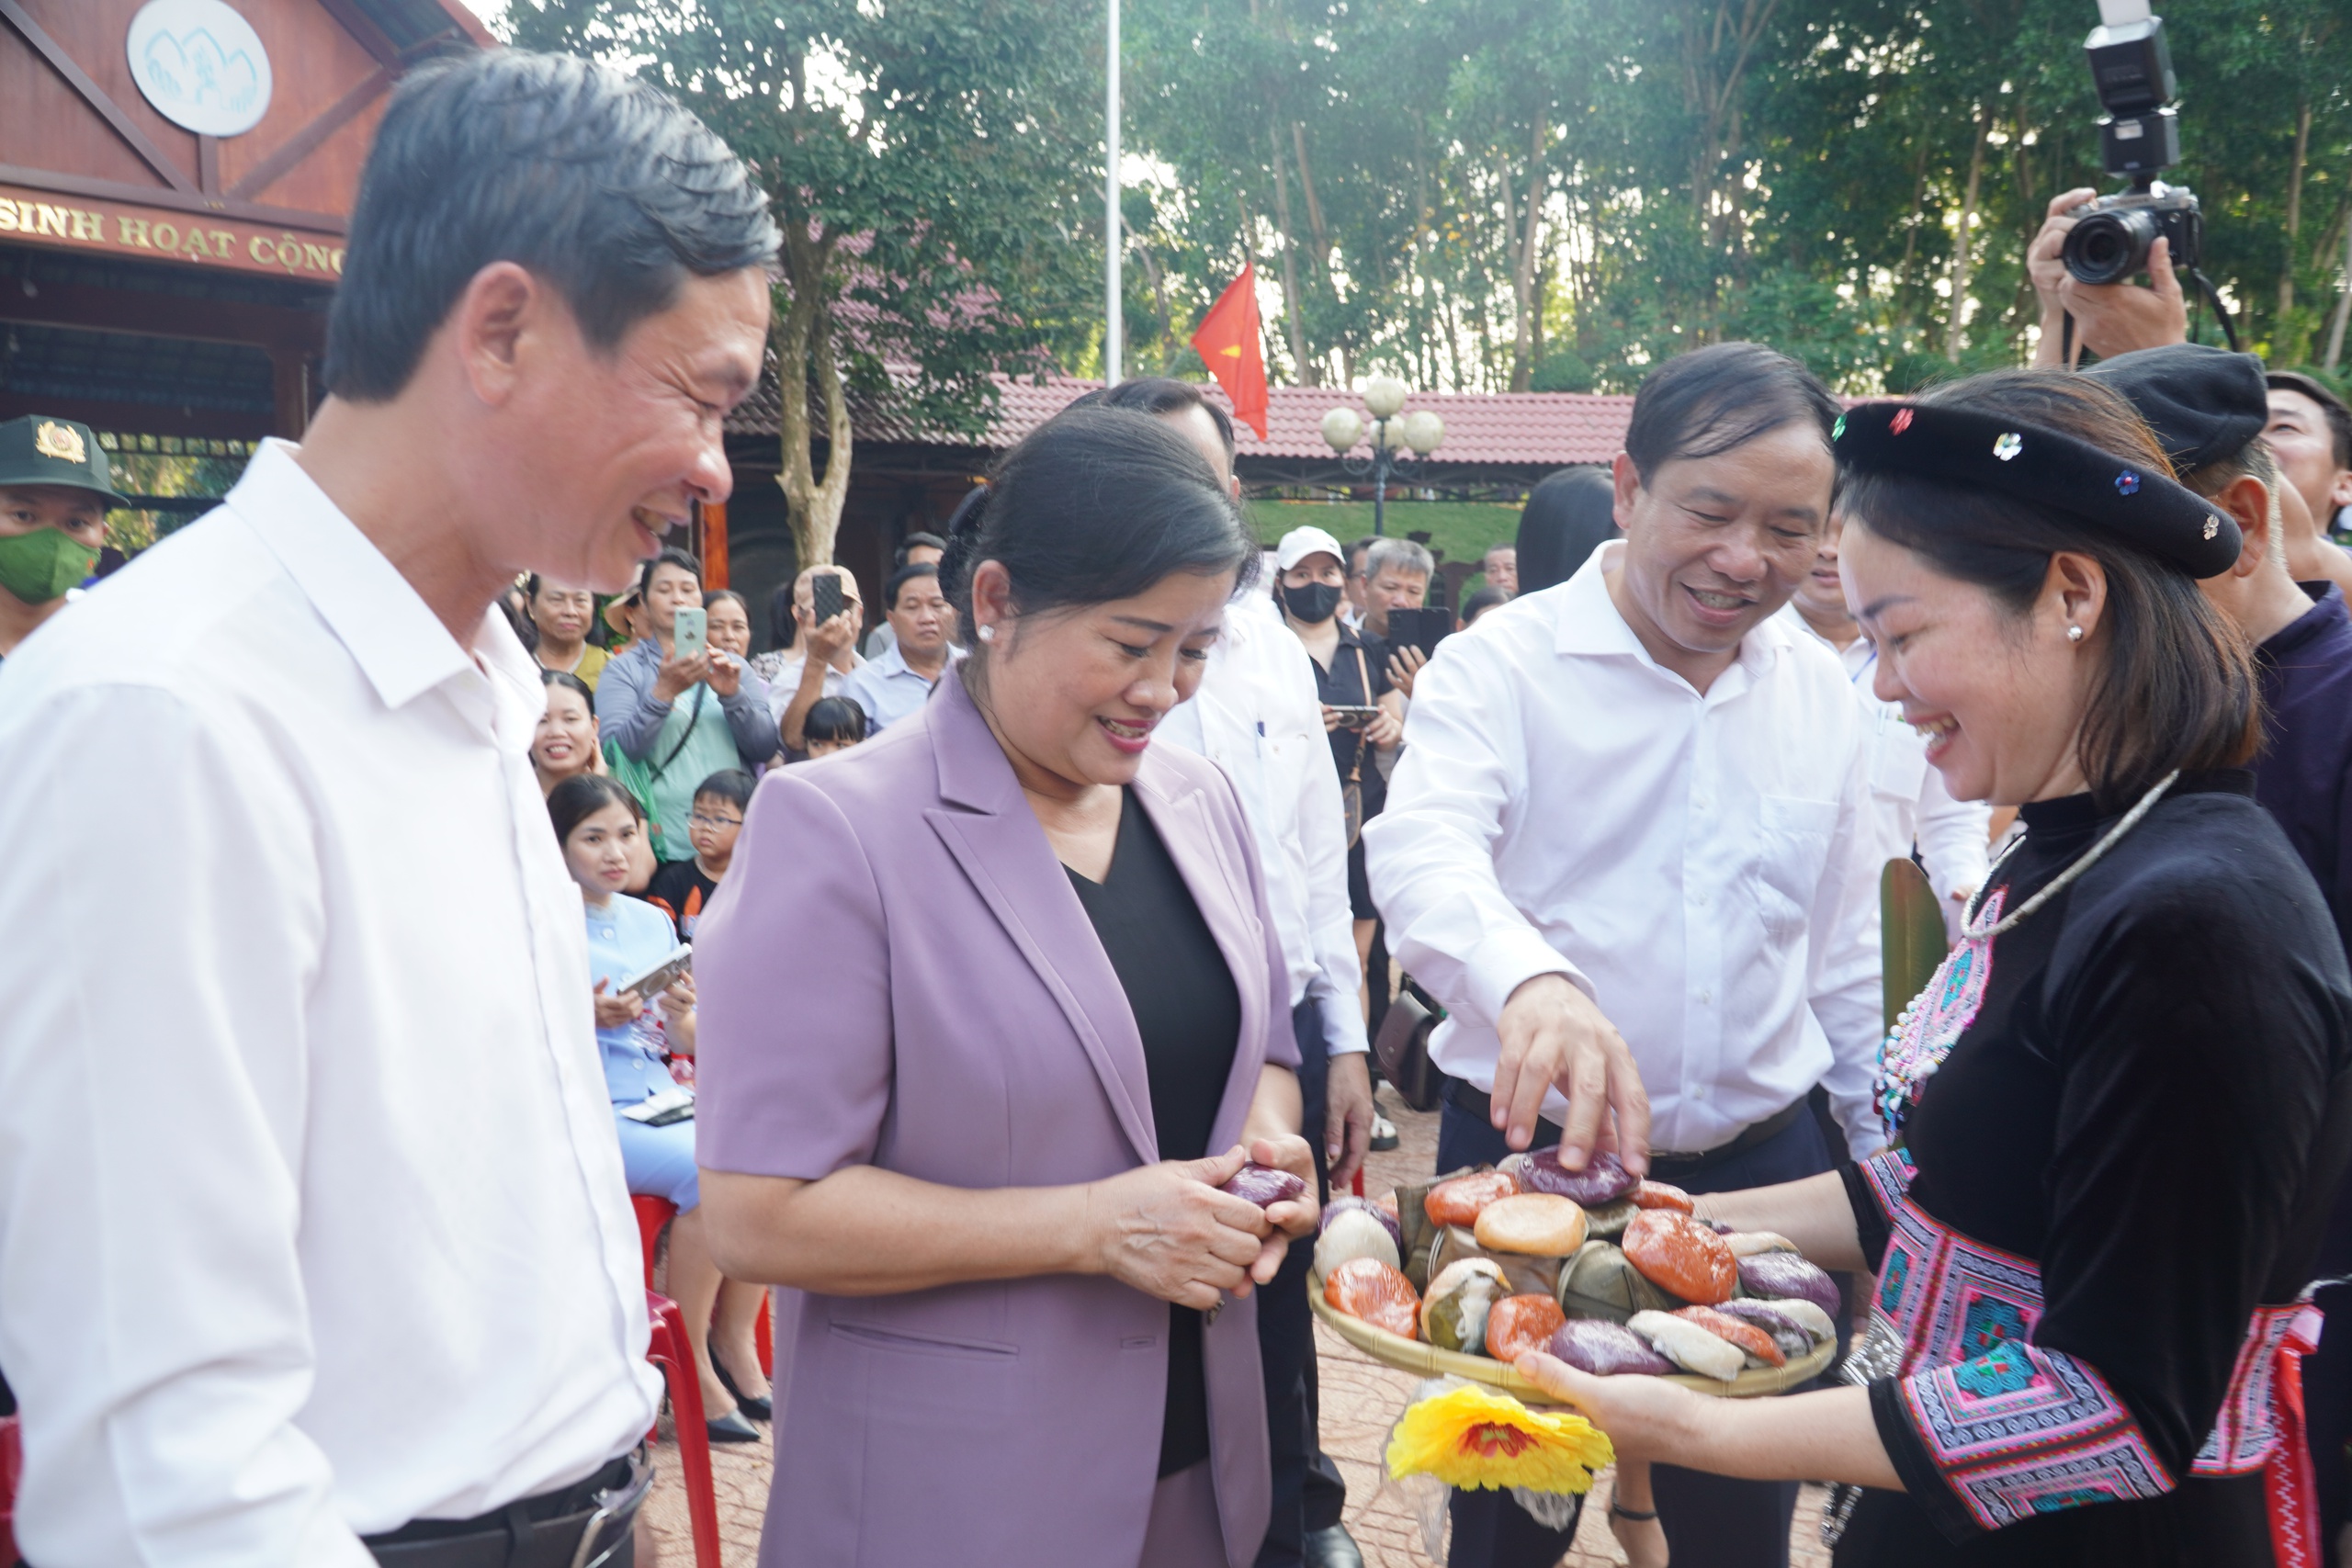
x,y
1627,818
1909,805
318,1249
900,679
1258,713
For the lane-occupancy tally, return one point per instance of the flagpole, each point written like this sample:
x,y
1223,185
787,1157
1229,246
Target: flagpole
x,y
1114,329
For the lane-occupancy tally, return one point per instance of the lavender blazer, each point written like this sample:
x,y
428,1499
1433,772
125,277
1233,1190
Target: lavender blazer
x,y
896,972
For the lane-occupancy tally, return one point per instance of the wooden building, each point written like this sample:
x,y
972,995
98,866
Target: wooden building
x,y
175,178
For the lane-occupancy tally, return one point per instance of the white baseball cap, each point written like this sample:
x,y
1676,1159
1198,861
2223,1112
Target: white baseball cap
x,y
1301,543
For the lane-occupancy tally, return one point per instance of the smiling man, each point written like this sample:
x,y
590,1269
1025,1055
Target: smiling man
x,y
325,1253
1626,834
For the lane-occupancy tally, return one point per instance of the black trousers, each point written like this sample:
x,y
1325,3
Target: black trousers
x,y
1308,1493
1710,1521
2327,1408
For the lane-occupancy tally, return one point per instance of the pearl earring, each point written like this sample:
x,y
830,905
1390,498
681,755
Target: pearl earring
x,y
2073,634
988,634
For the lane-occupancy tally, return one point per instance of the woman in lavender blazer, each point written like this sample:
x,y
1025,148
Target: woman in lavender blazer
x,y
990,1008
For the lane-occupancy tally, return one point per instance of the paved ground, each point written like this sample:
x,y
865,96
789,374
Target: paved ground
x,y
1361,1398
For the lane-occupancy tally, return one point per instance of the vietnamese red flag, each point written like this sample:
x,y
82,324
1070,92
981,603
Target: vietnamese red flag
x,y
1228,343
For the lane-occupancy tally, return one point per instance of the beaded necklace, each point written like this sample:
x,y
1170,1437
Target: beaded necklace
x,y
1925,1032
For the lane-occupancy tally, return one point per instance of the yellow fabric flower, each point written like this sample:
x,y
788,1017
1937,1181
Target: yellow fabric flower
x,y
1476,1437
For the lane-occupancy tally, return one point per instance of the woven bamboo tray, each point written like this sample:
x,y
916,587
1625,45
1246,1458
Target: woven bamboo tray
x,y
1415,1356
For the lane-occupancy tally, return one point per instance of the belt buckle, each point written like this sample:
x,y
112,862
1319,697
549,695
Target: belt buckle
x,y
619,1504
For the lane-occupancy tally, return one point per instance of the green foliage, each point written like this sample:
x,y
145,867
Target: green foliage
x,y
1794,171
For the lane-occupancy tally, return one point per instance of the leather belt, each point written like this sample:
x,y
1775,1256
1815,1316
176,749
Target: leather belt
x,y
1664,1165
587,1525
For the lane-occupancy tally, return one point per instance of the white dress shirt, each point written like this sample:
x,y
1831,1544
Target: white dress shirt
x,y
781,670
1909,801
1565,805
315,1221
888,690
1257,715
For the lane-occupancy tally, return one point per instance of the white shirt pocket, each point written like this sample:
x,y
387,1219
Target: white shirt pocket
x,y
1792,847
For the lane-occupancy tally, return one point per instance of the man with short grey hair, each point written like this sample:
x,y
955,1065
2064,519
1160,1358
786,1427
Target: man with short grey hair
x,y
321,1251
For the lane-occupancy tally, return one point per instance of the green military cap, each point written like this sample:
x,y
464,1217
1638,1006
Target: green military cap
x,y
37,450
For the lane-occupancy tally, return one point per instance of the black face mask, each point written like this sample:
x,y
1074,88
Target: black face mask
x,y
1314,604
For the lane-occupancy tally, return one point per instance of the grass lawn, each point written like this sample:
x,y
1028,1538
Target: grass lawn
x,y
1459,530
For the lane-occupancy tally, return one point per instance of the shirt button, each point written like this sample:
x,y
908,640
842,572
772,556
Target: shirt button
x,y
1700,802
1698,896
1699,1092
1706,995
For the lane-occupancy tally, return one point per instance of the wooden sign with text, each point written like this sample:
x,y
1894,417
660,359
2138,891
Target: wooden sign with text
x,y
147,233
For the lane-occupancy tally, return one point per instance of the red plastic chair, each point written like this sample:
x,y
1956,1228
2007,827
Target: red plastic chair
x,y
12,1466
652,1214
670,1352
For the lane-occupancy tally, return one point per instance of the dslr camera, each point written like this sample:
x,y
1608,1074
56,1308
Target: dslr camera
x,y
2139,137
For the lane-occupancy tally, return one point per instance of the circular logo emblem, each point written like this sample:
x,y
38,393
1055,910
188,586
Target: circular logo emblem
x,y
200,64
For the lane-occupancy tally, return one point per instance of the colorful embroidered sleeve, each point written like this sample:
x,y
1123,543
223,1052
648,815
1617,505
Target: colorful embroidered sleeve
x,y
2017,1431
1874,1187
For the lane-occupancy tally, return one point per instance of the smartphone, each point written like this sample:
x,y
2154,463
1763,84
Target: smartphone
x,y
1422,628
662,976
825,592
1354,718
691,634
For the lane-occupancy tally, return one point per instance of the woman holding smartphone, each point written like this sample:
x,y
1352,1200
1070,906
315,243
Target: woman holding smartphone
x,y
597,827
678,708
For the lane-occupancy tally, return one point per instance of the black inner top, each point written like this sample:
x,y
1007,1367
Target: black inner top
x,y
2151,1104
1188,1010
1345,685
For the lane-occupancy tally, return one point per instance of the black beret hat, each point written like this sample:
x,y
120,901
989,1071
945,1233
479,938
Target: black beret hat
x,y
2048,467
2204,403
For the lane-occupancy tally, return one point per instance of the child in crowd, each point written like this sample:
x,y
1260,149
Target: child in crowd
x,y
684,889
595,823
835,723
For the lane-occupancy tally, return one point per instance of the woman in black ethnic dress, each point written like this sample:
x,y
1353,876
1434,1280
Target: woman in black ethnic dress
x,y
2118,1115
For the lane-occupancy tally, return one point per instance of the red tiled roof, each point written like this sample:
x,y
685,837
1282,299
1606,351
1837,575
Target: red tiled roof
x,y
1517,429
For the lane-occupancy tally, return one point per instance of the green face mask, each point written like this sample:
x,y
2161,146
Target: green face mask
x,y
40,566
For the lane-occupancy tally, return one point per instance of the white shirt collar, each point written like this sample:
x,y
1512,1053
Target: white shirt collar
x,y
392,635
1586,620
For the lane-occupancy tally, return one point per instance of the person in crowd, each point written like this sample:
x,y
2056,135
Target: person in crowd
x,y
380,1289
2215,418
1910,807
680,718
621,621
595,819
2150,969
1501,565
820,659
1396,577
55,487
1567,516
915,550
1627,827
834,724
1357,603
2310,434
684,889
1257,715
566,743
1477,604
561,619
1350,677
992,1009
730,623
900,682
2114,319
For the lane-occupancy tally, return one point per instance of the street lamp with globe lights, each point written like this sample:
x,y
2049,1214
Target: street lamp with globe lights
x,y
1420,431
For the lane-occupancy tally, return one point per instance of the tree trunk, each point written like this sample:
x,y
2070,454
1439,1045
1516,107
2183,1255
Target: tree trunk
x,y
1294,324
1960,245
2343,307
1315,224
1523,283
2294,218
804,347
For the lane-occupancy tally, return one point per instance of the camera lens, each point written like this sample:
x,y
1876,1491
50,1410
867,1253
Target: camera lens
x,y
2108,247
